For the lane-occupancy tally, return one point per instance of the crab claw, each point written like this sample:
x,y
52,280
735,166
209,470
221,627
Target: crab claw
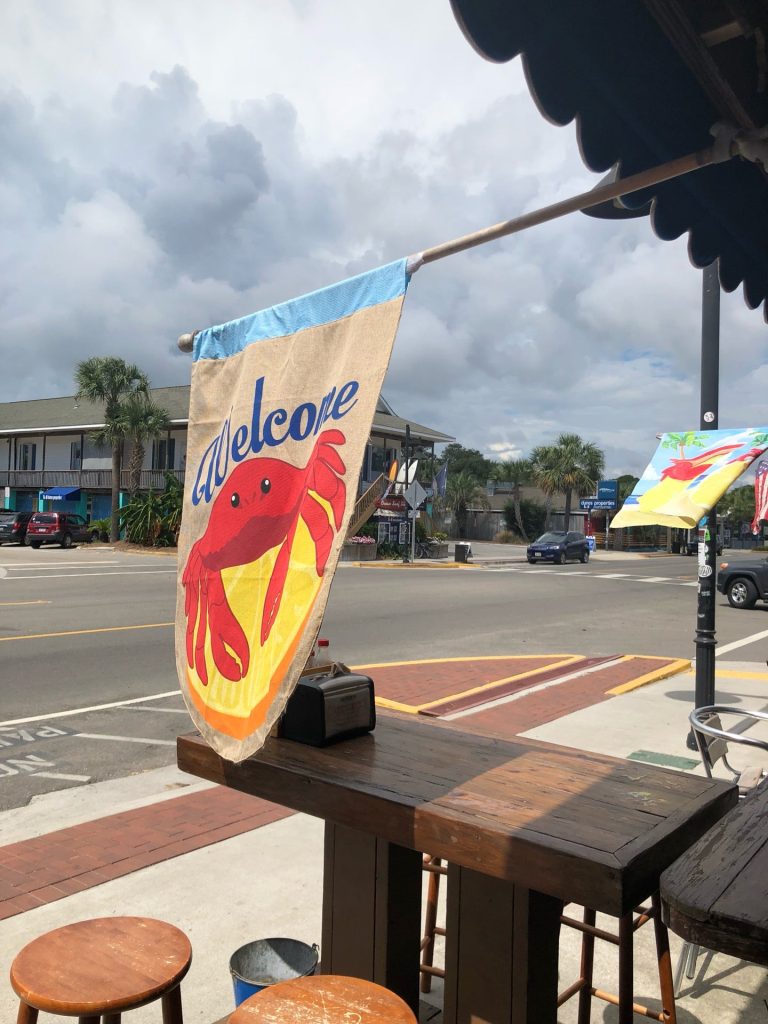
x,y
226,633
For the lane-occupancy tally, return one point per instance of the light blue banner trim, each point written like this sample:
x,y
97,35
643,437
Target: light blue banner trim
x,y
312,310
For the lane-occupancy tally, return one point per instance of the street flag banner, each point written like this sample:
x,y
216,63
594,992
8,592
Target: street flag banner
x,y
441,481
688,474
761,496
281,408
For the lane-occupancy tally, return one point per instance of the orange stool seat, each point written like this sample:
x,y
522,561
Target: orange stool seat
x,y
324,999
102,967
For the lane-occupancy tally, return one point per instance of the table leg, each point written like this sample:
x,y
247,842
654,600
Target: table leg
x,y
372,911
501,951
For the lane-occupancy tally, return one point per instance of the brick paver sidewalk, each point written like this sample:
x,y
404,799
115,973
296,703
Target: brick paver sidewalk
x,y
494,691
49,867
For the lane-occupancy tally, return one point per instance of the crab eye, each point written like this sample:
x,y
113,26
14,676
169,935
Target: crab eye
x,y
266,486
234,500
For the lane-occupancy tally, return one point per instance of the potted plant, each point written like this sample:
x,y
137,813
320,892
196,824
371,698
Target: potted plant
x,y
438,545
359,548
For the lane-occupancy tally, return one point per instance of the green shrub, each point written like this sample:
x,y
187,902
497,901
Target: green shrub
x,y
154,520
100,528
506,537
389,552
533,514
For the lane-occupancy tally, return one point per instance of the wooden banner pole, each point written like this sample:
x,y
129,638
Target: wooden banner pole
x,y
717,153
595,196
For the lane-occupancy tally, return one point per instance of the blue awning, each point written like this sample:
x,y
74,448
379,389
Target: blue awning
x,y
61,494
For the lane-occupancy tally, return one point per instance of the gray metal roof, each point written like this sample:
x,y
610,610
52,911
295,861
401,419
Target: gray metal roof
x,y
43,415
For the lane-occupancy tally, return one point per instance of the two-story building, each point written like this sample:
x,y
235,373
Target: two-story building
x,y
48,459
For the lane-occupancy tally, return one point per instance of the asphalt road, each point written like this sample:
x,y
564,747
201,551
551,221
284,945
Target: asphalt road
x,y
90,631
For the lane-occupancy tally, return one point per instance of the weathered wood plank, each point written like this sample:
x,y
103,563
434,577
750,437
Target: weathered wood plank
x,y
716,894
570,824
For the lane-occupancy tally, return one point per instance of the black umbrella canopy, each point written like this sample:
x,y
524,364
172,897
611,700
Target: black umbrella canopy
x,y
646,82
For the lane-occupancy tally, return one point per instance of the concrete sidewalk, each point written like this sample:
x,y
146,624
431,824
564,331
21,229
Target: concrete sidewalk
x,y
228,868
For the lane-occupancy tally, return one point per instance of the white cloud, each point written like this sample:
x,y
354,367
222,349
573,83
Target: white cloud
x,y
167,166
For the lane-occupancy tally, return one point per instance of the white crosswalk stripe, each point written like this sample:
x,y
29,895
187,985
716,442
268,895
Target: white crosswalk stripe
x,y
622,577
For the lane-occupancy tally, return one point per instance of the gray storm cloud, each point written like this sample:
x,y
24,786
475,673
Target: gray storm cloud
x,y
124,224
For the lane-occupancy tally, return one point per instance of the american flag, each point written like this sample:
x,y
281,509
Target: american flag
x,y
761,495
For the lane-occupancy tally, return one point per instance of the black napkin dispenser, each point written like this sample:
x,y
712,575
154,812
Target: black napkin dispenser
x,y
327,706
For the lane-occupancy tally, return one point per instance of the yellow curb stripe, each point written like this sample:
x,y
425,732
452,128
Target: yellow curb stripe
x,y
670,669
480,657
729,673
82,632
570,659
393,705
499,682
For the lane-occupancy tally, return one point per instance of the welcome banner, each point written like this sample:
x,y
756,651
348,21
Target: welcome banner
x,y
281,408
689,472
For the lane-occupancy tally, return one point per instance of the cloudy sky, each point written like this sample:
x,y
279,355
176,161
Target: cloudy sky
x,y
167,166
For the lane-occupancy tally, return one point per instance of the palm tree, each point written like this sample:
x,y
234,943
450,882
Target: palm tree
x,y
517,472
544,474
571,464
110,380
140,420
461,491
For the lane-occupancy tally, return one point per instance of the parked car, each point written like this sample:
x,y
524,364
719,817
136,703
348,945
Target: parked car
x,y
690,546
13,526
559,546
743,583
65,528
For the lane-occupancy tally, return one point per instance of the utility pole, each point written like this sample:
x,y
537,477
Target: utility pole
x,y
407,469
707,561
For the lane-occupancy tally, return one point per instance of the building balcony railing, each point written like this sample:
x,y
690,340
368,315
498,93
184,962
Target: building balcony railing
x,y
86,479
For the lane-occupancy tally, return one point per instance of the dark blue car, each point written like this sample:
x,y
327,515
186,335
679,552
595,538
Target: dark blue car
x,y
560,547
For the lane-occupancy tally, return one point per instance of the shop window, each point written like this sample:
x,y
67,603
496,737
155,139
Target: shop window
x,y
381,459
163,453
27,456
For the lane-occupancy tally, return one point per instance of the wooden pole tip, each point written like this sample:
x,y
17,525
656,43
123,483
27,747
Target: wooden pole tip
x,y
186,341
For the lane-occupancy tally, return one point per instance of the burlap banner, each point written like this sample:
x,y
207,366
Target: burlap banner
x,y
281,409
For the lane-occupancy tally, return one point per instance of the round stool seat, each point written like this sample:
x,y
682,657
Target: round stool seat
x,y
324,999
103,966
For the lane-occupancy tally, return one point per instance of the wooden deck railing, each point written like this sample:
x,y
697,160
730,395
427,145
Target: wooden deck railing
x,y
366,503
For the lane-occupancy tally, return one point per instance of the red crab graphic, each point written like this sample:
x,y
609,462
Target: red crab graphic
x,y
689,469
257,509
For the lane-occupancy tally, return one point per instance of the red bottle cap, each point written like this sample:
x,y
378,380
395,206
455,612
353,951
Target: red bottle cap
x,y
323,643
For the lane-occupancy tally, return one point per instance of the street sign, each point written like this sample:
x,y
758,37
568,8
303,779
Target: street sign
x,y
414,494
608,490
393,503
590,504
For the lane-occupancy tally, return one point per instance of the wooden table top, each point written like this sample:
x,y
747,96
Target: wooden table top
x,y
582,827
716,894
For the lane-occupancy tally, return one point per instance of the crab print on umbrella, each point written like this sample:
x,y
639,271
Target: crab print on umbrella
x,y
258,509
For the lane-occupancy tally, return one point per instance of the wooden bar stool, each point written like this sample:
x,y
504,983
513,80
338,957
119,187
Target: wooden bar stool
x,y
583,985
628,925
101,968
435,868
324,999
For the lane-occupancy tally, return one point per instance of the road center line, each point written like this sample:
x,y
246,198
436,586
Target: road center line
x,y
58,565
90,575
16,604
82,632
124,739
93,707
